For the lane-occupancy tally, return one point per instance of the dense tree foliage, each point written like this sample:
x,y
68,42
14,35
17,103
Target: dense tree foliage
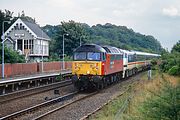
x,y
73,32
122,37
176,47
5,16
171,61
108,34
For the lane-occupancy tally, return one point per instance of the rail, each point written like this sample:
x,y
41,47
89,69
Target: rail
x,y
33,108
32,91
14,85
63,106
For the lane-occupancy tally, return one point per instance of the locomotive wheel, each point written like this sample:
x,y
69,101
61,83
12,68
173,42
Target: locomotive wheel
x,y
127,74
101,85
105,82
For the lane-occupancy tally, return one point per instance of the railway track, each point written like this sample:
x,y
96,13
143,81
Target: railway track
x,y
27,82
46,104
20,114
63,106
32,91
36,107
79,100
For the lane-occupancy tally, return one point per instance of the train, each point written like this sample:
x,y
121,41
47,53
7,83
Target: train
x,y
96,66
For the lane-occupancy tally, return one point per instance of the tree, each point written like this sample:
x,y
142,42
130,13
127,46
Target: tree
x,y
5,16
176,47
75,32
108,34
11,56
171,61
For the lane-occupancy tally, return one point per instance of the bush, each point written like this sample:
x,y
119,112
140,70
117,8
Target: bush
x,y
11,56
175,70
154,62
171,63
164,105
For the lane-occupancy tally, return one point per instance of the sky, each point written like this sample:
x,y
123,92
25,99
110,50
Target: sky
x,y
159,18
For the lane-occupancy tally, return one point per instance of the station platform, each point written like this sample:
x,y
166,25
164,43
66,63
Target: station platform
x,y
33,76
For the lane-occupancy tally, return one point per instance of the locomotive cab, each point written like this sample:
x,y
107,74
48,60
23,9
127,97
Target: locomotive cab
x,y
87,64
88,60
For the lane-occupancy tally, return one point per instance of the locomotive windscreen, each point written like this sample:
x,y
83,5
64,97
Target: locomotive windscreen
x,y
94,56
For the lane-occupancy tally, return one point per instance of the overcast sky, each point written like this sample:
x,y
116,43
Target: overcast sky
x,y
160,18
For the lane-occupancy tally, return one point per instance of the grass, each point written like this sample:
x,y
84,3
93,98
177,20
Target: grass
x,y
145,90
109,111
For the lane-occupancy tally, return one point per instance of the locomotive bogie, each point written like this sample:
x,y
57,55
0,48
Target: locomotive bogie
x,y
84,82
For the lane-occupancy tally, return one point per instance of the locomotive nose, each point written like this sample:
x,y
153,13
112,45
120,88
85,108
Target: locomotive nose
x,y
86,68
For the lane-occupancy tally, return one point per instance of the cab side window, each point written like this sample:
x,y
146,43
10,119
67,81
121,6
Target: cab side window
x,y
103,56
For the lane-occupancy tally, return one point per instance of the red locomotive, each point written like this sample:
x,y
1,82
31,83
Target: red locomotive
x,y
97,66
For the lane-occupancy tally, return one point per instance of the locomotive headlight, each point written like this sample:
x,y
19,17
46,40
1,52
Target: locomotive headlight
x,y
97,66
76,66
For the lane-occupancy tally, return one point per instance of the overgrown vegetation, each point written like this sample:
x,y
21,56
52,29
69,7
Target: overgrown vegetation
x,y
164,105
11,56
171,61
108,34
157,99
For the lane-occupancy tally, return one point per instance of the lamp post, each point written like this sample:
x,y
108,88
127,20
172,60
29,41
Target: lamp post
x,y
3,39
42,66
80,40
63,50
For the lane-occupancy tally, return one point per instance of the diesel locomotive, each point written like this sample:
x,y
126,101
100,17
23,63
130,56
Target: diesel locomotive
x,y
96,66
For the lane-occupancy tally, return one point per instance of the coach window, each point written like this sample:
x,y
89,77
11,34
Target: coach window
x,y
130,58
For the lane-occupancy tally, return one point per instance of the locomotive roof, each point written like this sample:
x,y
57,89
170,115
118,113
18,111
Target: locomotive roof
x,y
112,50
90,48
98,48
